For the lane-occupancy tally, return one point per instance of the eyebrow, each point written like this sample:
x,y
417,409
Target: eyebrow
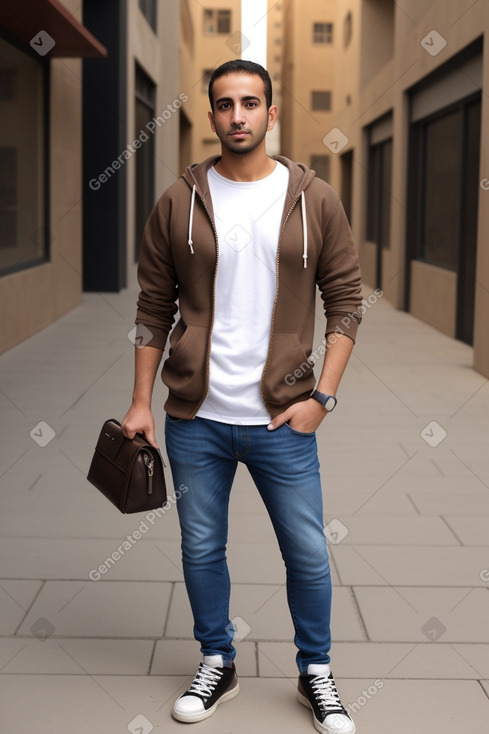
x,y
248,98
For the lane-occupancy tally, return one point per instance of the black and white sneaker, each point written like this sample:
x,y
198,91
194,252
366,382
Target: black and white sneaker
x,y
317,691
213,684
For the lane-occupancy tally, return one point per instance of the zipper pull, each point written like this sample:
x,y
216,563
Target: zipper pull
x,y
150,465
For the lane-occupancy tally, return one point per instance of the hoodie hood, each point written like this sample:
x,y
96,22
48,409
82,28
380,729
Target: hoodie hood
x,y
299,179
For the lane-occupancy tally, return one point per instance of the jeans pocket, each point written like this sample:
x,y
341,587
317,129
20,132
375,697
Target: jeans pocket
x,y
299,433
172,419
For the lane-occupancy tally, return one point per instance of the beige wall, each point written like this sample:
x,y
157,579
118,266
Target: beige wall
x,y
308,67
433,294
157,54
383,61
190,20
211,52
33,298
275,51
481,326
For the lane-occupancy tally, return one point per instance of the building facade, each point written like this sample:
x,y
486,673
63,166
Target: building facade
x,y
90,102
308,99
41,51
411,159
210,35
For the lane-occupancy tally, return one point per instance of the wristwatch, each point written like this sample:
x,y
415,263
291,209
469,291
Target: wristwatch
x,y
327,401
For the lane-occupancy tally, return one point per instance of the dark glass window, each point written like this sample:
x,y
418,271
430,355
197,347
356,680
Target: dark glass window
x,y
322,33
206,77
321,101
148,9
24,233
441,185
379,193
320,164
145,155
347,29
443,193
217,21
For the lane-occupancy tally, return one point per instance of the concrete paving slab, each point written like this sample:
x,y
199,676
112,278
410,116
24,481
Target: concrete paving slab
x,y
65,656
57,559
16,596
392,530
182,657
477,656
264,610
428,635
471,530
112,703
262,607
417,614
411,566
84,524
403,660
455,502
98,609
374,500
384,660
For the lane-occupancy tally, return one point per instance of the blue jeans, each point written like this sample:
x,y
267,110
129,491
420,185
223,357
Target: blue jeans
x,y
283,463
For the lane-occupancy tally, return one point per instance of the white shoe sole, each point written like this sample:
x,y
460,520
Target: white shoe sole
x,y
317,724
193,718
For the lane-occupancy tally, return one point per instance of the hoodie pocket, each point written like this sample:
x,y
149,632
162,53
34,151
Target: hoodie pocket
x,y
289,372
184,371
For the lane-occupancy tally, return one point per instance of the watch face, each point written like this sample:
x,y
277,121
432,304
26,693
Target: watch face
x,y
330,404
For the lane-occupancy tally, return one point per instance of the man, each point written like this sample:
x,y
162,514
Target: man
x,y
242,240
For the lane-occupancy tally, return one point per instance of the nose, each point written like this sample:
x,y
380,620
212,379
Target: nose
x,y
238,115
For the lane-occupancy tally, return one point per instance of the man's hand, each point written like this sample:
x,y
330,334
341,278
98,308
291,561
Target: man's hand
x,y
139,419
304,416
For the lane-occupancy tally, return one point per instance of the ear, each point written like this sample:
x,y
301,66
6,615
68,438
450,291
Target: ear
x,y
211,120
272,117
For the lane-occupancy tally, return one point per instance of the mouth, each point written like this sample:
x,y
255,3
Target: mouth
x,y
239,134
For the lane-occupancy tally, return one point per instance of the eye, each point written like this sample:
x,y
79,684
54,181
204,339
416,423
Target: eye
x,y
224,106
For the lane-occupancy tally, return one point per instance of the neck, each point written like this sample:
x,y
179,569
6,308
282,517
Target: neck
x,y
251,166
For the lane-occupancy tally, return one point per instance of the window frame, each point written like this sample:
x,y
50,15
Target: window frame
x,y
326,33
417,177
324,158
149,9
45,225
217,14
329,97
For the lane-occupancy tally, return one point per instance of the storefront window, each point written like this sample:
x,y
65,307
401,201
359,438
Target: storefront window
x,y
24,236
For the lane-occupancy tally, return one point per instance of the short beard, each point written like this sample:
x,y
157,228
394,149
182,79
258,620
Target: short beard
x,y
242,149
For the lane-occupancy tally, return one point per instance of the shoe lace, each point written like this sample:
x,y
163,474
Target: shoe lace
x,y
206,679
327,696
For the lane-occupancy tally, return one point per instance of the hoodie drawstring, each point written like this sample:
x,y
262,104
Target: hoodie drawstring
x,y
304,227
191,220
304,224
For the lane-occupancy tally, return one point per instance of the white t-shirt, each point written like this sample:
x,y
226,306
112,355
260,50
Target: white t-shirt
x,y
247,217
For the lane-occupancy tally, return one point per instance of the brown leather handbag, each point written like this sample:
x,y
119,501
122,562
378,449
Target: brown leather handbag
x,y
129,472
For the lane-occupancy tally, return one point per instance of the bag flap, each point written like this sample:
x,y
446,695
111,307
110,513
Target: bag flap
x,y
111,438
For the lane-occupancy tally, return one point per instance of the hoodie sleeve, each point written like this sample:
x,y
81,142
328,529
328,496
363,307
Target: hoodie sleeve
x,y
156,306
338,274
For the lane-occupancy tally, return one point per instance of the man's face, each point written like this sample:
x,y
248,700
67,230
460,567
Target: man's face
x,y
241,118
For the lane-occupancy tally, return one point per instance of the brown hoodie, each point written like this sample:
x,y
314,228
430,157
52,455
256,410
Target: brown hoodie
x,y
179,261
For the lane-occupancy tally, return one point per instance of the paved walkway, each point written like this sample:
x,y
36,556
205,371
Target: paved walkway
x,y
405,462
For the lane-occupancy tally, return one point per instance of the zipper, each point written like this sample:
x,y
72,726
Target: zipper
x,y
150,466
207,369
272,323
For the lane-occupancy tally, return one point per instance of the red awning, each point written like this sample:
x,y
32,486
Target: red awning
x,y
40,22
